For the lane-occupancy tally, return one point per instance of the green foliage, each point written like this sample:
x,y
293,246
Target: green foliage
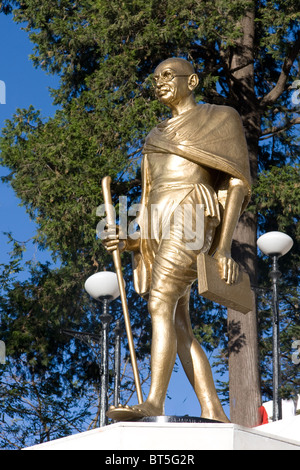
x,y
279,209
31,414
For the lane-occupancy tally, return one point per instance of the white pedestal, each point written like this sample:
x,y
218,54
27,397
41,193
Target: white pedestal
x,y
126,436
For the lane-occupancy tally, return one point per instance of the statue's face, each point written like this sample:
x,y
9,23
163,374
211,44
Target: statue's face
x,y
172,82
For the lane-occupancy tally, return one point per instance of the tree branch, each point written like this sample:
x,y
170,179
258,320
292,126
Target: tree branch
x,y
274,94
267,133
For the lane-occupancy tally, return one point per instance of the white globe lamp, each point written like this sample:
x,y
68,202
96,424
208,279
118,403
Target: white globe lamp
x,y
275,243
103,285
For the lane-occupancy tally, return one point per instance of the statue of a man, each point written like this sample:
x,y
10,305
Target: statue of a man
x,y
197,158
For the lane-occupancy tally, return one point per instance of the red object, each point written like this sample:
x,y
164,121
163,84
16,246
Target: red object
x,y
263,415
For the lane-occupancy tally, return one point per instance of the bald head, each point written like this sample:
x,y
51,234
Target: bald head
x,y
181,66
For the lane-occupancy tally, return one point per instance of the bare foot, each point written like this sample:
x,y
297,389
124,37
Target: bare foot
x,y
132,413
221,417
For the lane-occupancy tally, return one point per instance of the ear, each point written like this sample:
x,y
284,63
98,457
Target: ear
x,y
193,81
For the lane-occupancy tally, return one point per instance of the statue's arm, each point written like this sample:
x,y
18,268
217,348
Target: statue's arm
x,y
237,191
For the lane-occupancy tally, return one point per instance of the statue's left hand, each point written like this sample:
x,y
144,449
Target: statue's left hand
x,y
229,269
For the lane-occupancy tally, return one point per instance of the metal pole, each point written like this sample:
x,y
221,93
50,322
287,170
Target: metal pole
x,y
275,275
105,320
117,365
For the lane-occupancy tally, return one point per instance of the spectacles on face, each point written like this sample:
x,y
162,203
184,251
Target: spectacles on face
x,y
166,76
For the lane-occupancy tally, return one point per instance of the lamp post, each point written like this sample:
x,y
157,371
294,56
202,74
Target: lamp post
x,y
104,287
275,244
117,366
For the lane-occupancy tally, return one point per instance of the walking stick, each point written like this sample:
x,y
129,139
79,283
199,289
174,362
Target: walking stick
x,y
117,262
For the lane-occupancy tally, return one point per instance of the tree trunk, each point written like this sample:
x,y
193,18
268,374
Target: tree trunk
x,y
244,377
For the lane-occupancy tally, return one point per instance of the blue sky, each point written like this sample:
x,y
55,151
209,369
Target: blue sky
x,y
27,86
24,85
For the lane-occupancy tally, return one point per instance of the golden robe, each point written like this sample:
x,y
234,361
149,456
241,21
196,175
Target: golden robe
x,y
209,136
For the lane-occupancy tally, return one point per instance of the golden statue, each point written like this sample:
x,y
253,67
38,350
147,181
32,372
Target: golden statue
x,y
196,159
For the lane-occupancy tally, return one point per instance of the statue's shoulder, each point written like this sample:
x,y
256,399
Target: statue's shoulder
x,y
217,109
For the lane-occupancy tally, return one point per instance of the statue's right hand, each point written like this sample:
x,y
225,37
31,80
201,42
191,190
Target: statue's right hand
x,y
110,238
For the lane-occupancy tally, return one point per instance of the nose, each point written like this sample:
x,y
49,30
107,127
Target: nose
x,y
159,82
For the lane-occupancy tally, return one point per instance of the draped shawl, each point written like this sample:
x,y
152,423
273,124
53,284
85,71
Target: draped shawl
x,y
208,135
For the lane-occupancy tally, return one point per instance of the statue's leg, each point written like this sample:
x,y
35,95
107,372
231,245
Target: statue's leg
x,y
163,350
163,355
196,365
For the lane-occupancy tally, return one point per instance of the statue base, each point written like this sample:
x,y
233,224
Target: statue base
x,y
116,440
128,414
175,419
